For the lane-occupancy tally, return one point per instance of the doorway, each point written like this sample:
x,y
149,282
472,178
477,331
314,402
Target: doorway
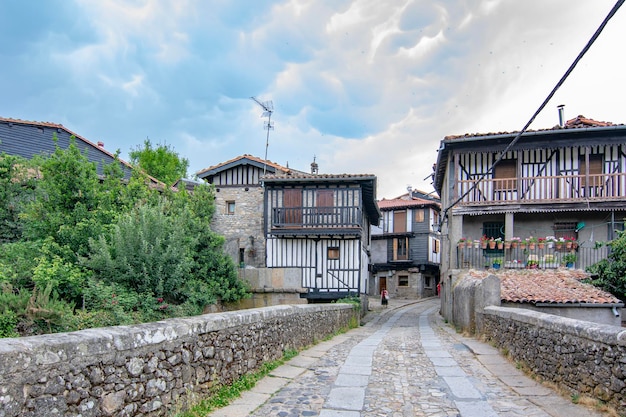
x,y
382,284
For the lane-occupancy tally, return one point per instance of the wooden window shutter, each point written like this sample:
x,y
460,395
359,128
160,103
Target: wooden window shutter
x,y
419,215
399,221
596,167
505,175
325,201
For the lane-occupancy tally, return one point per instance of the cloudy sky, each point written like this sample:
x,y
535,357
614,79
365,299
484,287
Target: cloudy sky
x,y
365,86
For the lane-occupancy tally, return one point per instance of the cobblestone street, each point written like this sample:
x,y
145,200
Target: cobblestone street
x,y
403,362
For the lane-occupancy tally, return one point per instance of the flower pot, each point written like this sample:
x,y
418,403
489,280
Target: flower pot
x,y
496,266
483,245
514,245
507,245
492,245
500,245
541,245
531,246
568,245
476,245
559,245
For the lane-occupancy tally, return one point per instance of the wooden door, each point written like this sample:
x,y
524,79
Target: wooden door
x,y
382,285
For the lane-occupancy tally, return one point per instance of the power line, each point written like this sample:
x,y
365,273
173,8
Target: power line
x,y
541,107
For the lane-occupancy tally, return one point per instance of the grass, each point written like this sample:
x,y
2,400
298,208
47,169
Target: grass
x,y
223,395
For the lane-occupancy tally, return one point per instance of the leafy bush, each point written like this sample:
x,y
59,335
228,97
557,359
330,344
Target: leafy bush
x,y
611,272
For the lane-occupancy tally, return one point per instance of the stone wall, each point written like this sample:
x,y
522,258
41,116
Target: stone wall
x,y
582,357
148,369
244,228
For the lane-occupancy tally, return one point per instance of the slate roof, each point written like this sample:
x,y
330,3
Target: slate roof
x,y
554,286
32,146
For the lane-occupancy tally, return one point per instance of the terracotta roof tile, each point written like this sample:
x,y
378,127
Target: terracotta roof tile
x,y
398,202
303,175
246,156
555,286
577,122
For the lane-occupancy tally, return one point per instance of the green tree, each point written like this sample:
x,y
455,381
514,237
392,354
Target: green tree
x,y
66,202
17,184
162,162
611,272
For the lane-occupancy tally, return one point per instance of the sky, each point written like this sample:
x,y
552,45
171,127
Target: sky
x,y
362,86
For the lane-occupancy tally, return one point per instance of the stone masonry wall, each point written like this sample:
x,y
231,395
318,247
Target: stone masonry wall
x,y
583,357
239,227
148,369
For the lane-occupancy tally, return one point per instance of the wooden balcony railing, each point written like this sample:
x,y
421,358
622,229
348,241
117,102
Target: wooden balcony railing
x,y
348,217
551,189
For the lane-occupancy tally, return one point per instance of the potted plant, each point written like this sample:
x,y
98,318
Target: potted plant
x,y
497,263
515,241
483,241
569,242
541,242
492,243
499,242
532,242
550,241
559,242
476,244
569,259
462,242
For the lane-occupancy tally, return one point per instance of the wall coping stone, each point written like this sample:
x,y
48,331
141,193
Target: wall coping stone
x,y
583,329
18,354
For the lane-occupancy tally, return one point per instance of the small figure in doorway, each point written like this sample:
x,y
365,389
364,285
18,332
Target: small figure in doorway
x,y
384,297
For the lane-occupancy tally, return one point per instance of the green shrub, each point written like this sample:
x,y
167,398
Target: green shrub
x,y
8,321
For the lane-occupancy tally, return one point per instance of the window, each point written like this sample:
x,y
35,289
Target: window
x,y
333,252
399,221
400,249
435,245
565,229
292,202
596,164
403,280
230,207
419,216
435,220
505,175
428,281
324,201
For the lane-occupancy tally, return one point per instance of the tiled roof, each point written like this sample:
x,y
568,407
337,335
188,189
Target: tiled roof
x,y
296,175
577,122
249,157
554,286
398,203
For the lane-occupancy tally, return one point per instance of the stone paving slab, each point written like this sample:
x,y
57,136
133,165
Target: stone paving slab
x,y
425,370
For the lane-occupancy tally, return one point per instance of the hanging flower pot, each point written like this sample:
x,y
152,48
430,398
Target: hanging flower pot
x,y
507,245
492,244
531,246
500,245
541,245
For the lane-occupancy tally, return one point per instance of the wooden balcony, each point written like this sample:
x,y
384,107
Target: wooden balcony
x,y
317,219
552,189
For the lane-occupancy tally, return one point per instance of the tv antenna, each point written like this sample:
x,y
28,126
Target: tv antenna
x,y
268,109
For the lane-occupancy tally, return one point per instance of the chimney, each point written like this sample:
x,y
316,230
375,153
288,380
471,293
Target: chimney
x,y
100,144
561,108
314,167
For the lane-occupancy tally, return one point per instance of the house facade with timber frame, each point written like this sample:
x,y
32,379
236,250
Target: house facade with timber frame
x,y
319,224
567,182
406,246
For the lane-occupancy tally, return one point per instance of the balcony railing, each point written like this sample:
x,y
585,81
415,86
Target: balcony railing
x,y
348,217
520,258
550,189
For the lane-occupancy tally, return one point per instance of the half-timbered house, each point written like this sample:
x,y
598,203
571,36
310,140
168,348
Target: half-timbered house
x,y
406,246
239,205
565,183
320,224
